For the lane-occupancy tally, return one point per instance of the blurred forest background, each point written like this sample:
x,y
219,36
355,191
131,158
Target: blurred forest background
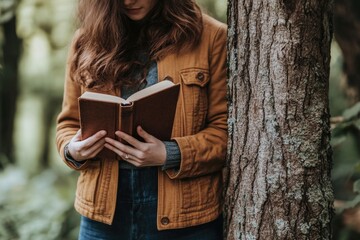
x,y
37,189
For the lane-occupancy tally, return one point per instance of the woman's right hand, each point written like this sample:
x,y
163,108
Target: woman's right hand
x,y
88,148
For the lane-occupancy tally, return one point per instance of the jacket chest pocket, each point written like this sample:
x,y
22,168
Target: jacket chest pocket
x,y
194,98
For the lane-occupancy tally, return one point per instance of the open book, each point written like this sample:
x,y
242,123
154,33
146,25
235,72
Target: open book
x,y
152,108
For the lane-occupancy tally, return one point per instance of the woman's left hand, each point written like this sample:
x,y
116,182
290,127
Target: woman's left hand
x,y
152,152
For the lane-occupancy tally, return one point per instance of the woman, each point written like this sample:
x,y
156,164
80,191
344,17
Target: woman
x,y
159,190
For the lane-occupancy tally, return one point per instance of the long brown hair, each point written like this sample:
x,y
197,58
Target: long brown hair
x,y
106,50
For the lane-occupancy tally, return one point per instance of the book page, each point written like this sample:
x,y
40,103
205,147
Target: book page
x,y
102,97
150,90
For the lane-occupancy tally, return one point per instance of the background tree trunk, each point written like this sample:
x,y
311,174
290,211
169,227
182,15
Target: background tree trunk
x,y
8,90
347,35
277,185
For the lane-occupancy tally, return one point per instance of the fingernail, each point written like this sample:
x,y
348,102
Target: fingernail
x,y
103,133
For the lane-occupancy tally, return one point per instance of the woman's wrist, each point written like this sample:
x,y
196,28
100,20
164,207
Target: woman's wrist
x,y
68,156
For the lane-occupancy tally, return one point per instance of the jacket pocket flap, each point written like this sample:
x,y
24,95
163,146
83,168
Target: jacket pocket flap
x,y
195,76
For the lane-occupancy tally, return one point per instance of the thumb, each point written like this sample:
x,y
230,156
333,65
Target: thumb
x,y
146,136
77,136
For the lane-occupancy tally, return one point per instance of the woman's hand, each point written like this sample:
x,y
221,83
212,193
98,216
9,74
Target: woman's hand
x,y
152,152
88,148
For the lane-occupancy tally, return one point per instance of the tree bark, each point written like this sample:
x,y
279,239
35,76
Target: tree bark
x,y
277,183
9,89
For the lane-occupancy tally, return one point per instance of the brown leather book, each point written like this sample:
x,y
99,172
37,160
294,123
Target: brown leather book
x,y
152,108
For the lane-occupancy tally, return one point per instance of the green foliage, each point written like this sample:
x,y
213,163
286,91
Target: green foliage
x,y
7,10
348,125
36,207
217,9
350,121
357,186
352,112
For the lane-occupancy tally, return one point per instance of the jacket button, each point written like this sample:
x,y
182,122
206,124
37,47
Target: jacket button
x,y
165,221
200,76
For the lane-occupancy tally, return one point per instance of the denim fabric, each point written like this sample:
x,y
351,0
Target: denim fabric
x,y
135,216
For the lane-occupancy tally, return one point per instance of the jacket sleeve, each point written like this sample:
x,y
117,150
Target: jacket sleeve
x,y
204,152
68,119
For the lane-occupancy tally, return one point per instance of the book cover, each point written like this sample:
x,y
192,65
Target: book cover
x,y
152,108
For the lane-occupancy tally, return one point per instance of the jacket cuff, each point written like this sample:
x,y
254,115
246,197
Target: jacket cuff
x,y
186,162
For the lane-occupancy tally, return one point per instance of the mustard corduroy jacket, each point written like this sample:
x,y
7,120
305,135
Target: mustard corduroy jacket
x,y
191,195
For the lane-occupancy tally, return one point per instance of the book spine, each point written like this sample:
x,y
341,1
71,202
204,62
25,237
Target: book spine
x,y
127,119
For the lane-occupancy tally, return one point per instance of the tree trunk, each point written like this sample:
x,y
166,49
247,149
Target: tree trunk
x,y
347,35
50,113
277,184
8,90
